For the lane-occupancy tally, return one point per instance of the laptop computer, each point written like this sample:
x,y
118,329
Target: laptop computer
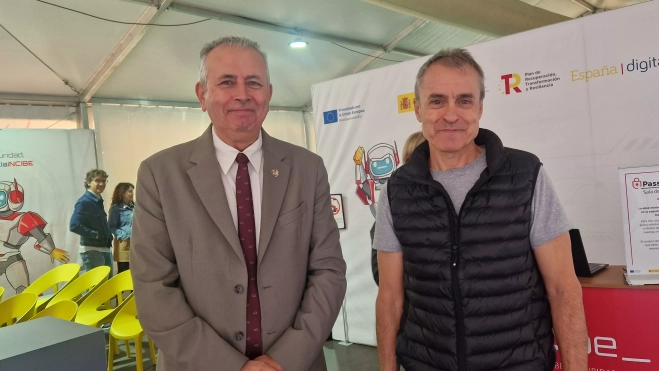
x,y
581,266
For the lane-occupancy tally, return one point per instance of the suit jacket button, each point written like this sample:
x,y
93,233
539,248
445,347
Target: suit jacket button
x,y
239,289
239,335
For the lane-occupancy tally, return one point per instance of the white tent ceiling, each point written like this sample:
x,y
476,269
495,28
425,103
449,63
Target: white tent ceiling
x,y
104,60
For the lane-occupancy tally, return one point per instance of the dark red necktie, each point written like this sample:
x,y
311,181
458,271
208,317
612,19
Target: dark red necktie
x,y
247,234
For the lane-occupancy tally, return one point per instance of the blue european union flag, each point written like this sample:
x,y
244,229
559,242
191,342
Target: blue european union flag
x,y
330,117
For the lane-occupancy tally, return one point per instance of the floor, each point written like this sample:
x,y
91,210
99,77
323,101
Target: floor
x,y
353,357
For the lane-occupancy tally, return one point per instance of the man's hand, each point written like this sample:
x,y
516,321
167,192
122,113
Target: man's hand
x,y
60,255
270,362
257,366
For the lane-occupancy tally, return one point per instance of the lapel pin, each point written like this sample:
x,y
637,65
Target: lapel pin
x,y
275,172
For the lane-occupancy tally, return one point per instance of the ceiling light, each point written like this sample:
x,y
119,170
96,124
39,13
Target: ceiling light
x,y
298,43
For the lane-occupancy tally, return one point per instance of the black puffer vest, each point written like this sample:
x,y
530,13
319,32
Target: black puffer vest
x,y
474,297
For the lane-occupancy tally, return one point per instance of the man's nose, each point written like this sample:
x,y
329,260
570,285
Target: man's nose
x,y
451,114
241,93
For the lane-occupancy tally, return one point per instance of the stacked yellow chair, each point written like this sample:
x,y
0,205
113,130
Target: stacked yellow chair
x,y
126,326
2,291
53,278
82,286
65,310
18,308
93,311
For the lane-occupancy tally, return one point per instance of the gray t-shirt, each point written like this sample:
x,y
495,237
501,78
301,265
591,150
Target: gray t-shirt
x,y
548,219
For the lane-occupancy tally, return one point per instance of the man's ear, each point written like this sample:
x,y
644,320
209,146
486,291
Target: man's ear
x,y
200,91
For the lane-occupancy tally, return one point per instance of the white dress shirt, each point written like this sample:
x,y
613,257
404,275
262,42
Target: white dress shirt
x,y
226,157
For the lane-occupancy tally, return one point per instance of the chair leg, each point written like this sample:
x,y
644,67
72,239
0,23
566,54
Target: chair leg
x,y
111,353
138,353
116,346
127,348
154,360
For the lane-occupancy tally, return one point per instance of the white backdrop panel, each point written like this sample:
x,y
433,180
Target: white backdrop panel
x,y
581,130
51,185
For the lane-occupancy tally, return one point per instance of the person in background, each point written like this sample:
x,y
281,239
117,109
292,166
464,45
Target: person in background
x,y
90,221
121,223
410,145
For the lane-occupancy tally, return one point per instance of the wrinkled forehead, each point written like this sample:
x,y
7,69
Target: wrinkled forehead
x,y
236,61
441,79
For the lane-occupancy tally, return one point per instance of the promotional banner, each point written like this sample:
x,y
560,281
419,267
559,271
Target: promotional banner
x,y
617,340
581,95
41,176
639,188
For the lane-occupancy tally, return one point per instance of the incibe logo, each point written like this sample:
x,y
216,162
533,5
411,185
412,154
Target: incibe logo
x,y
11,155
14,159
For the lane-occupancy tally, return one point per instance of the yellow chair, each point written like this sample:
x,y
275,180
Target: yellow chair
x,y
126,326
63,274
65,309
2,291
90,312
75,291
18,308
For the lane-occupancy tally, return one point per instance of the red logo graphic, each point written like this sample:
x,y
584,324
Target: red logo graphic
x,y
405,104
516,80
636,183
336,206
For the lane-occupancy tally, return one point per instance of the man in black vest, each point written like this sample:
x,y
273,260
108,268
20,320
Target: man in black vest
x,y
473,250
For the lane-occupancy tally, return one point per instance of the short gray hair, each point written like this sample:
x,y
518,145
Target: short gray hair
x,y
235,41
456,58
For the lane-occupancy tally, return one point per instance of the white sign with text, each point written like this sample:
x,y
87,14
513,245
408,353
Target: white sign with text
x,y
640,208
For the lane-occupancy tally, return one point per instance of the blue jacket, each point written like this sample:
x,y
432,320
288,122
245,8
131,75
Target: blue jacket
x,y
89,220
121,220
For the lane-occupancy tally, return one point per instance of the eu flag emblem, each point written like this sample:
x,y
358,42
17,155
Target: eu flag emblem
x,y
330,117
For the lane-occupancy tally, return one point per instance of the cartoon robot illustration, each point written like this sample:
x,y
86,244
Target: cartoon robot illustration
x,y
15,229
372,170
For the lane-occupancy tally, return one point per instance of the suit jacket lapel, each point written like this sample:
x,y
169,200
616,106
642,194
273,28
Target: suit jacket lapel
x,y
206,178
275,183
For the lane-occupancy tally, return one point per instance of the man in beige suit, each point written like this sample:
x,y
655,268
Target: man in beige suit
x,y
236,258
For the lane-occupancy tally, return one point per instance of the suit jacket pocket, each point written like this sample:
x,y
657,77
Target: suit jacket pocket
x,y
292,216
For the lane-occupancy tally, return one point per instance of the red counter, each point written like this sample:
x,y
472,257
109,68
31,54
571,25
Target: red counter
x,y
623,323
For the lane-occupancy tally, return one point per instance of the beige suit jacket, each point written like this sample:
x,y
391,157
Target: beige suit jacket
x,y
188,266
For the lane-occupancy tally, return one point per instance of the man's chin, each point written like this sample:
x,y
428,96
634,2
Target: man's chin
x,y
239,129
450,147
246,127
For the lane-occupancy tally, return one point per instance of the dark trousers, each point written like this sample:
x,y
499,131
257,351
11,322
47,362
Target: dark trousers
x,y
122,266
